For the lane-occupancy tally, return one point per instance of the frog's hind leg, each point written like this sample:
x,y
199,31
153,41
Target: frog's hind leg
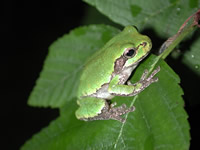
x,y
114,113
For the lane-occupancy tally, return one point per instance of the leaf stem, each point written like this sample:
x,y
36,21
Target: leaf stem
x,y
188,27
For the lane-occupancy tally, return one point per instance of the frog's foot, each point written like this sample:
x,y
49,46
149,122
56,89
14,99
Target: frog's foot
x,y
145,81
116,112
111,112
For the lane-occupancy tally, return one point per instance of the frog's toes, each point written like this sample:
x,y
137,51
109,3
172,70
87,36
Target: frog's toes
x,y
154,72
144,75
116,112
154,80
129,82
147,81
113,104
151,77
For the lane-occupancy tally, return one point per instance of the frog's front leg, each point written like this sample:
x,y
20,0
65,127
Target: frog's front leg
x,y
132,89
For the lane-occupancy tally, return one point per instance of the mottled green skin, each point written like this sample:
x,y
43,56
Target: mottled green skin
x,y
100,66
90,107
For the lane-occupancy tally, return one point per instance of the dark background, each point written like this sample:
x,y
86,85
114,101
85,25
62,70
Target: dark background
x,y
27,30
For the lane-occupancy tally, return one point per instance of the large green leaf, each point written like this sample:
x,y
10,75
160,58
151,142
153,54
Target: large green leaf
x,y
164,17
159,121
59,78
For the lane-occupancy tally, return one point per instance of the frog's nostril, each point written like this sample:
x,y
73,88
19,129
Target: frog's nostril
x,y
144,44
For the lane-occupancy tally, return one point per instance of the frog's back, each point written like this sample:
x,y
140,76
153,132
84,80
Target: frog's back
x,y
100,66
97,71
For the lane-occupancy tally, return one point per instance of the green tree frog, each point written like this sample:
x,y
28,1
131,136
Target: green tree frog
x,y
105,75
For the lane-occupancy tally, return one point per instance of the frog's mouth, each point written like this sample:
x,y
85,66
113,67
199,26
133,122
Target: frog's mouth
x,y
134,65
139,60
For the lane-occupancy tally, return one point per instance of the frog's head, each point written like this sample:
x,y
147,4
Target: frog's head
x,y
135,48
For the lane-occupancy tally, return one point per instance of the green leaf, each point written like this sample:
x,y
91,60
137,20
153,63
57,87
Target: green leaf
x,y
159,121
164,17
59,78
191,57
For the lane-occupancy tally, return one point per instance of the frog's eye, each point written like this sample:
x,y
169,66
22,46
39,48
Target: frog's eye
x,y
129,53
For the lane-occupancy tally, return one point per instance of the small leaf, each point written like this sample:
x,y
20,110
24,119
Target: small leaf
x,y
59,78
